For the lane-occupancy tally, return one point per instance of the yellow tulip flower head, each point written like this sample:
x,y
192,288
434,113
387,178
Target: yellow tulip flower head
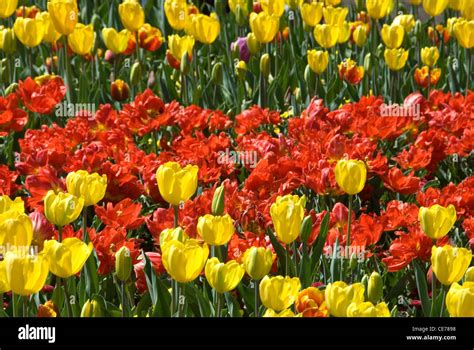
x,y
26,274
360,35
62,208
4,285
367,309
205,29
460,300
117,42
264,26
68,257
258,262
7,8
178,45
223,277
335,15
16,229
351,175
177,184
467,10
132,15
64,15
326,35
344,33
171,234
469,275
50,33
7,40
215,230
318,61
91,308
29,31
429,56
239,5
435,7
7,204
91,187
184,261
396,59
464,32
176,12
392,35
378,9
436,221
279,293
339,296
312,13
450,263
406,21
284,313
273,7
81,40
287,216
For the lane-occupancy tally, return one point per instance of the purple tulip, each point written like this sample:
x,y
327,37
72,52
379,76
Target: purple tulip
x,y
244,51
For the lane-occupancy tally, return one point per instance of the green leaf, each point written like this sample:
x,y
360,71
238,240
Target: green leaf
x,y
422,287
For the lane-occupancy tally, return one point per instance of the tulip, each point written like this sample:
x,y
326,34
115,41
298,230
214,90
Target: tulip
x,y
464,32
205,29
467,10
91,308
396,58
91,187
68,257
26,274
64,15
215,230
335,16
429,56
116,42
177,184
351,175
469,275
184,261
7,8
368,309
344,33
119,90
436,221
132,15
6,204
253,44
4,285
176,12
375,287
406,21
273,7
264,26
456,5
360,35
460,300
449,263
178,46
284,313
50,33
150,38
425,76
81,40
318,61
16,229
310,303
287,215
339,296
7,40
223,277
265,65
435,7
279,293
29,31
326,35
258,262
62,208
170,234
239,5
378,8
392,35
123,264
311,13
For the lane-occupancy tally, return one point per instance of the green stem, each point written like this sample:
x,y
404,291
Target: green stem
x,y
257,283
219,304
180,305
25,306
349,217
68,301
469,65
433,294
176,215
60,234
85,234
14,305
124,298
443,291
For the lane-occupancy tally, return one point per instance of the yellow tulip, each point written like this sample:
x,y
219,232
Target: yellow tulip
x,y
184,261
7,40
264,26
7,8
435,7
344,33
311,13
50,33
170,234
132,15
351,175
339,296
91,187
258,262
123,264
234,5
26,274
335,15
360,35
460,300
273,7
464,32
284,313
378,9
396,58
287,216
392,35
176,12
456,4
7,204
91,308
62,208
4,285
332,2
429,56
29,31
178,45
450,263
116,42
205,29
415,2
279,293
16,229
223,277
326,35
177,184
81,41
436,221
64,15
368,309
469,275
68,257
467,10
318,61
215,230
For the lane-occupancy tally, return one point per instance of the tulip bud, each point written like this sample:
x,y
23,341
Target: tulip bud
x,y
123,264
306,228
241,70
469,276
11,89
119,90
217,75
418,28
135,73
375,287
4,71
368,63
91,309
253,44
365,283
380,50
240,15
184,66
218,204
8,44
309,76
265,65
151,80
353,262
